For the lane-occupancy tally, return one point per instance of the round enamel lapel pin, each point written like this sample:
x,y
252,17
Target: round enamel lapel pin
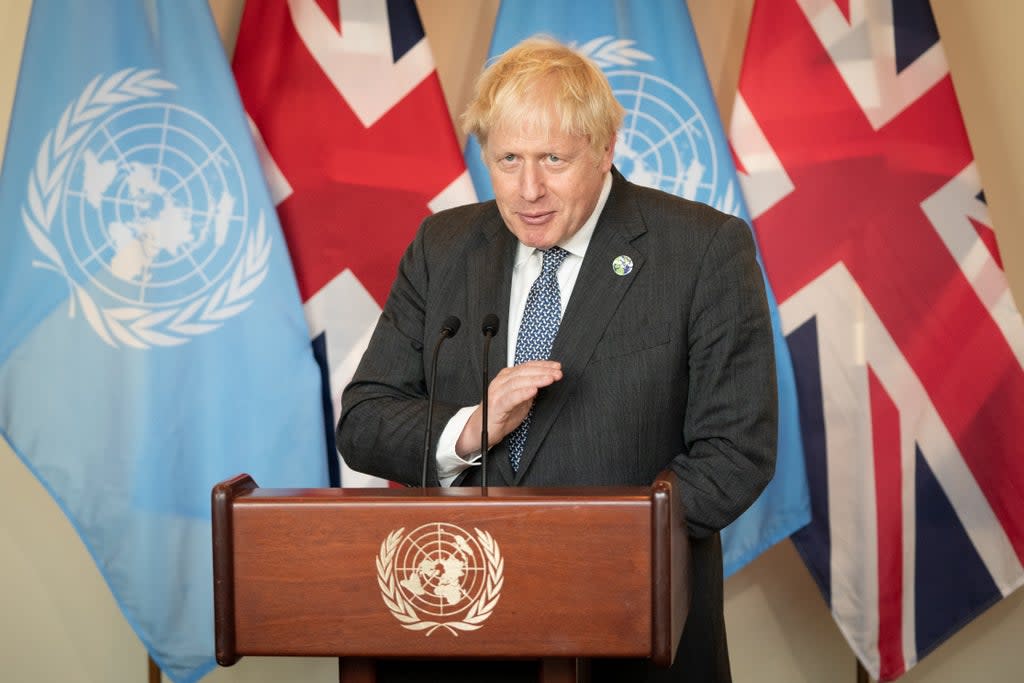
x,y
622,265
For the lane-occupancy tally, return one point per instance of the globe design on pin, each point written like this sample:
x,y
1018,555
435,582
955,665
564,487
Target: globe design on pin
x,y
440,569
155,208
665,142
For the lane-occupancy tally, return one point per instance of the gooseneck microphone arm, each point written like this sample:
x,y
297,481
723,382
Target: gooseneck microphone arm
x,y
448,329
490,328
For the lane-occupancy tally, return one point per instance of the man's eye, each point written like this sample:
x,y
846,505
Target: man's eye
x,y
509,157
554,158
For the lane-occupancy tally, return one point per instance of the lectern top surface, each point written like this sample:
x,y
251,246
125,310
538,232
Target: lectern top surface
x,y
463,494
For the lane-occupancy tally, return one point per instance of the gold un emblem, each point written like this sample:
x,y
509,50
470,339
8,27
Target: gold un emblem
x,y
440,576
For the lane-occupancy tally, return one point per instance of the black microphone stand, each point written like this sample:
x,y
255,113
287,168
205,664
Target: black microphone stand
x,y
490,328
448,329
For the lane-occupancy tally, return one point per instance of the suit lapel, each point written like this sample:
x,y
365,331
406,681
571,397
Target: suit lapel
x,y
488,283
488,274
595,297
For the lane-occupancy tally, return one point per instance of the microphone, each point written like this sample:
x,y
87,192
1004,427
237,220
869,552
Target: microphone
x,y
449,328
489,328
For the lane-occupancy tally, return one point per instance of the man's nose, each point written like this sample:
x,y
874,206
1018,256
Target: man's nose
x,y
531,182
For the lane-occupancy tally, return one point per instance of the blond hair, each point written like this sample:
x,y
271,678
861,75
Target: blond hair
x,y
542,84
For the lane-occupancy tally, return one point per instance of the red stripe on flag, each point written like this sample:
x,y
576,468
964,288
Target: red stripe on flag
x,y
737,162
844,7
988,237
885,435
332,10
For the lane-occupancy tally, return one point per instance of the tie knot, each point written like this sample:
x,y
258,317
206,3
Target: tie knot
x,y
553,258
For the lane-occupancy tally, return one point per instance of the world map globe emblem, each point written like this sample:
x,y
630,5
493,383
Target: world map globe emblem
x,y
665,141
440,576
154,209
440,569
141,207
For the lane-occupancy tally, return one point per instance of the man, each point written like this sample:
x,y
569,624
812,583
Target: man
x,y
663,351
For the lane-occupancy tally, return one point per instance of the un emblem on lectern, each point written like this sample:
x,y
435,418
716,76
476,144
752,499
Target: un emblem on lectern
x,y
440,576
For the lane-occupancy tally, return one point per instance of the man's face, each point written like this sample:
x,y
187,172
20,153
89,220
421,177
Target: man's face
x,y
546,183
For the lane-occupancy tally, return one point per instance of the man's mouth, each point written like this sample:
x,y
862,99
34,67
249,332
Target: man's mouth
x,y
536,218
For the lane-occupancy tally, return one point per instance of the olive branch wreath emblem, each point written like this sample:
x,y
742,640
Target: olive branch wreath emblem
x,y
610,52
404,611
133,326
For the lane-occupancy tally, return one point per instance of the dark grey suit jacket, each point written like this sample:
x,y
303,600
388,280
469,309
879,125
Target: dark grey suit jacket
x,y
670,365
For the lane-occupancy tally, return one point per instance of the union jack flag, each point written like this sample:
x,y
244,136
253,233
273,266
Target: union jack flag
x,y
907,346
358,148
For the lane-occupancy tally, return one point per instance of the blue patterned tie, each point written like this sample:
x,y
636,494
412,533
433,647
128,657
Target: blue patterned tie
x,y
537,333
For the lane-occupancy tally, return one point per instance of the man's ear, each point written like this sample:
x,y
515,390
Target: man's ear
x,y
608,155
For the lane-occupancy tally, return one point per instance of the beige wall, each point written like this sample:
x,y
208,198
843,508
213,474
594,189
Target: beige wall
x,y
60,622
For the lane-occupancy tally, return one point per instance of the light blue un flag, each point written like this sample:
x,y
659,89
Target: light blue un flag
x,y
672,139
153,340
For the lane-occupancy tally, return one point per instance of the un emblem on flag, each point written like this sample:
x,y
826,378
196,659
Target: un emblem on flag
x,y
665,141
141,206
440,576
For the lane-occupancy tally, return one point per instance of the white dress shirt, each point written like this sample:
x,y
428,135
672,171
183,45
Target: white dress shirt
x,y
527,268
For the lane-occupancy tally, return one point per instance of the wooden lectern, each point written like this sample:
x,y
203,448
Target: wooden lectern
x,y
555,574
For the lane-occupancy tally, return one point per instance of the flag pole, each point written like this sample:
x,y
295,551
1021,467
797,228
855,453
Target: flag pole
x,y
862,673
154,670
